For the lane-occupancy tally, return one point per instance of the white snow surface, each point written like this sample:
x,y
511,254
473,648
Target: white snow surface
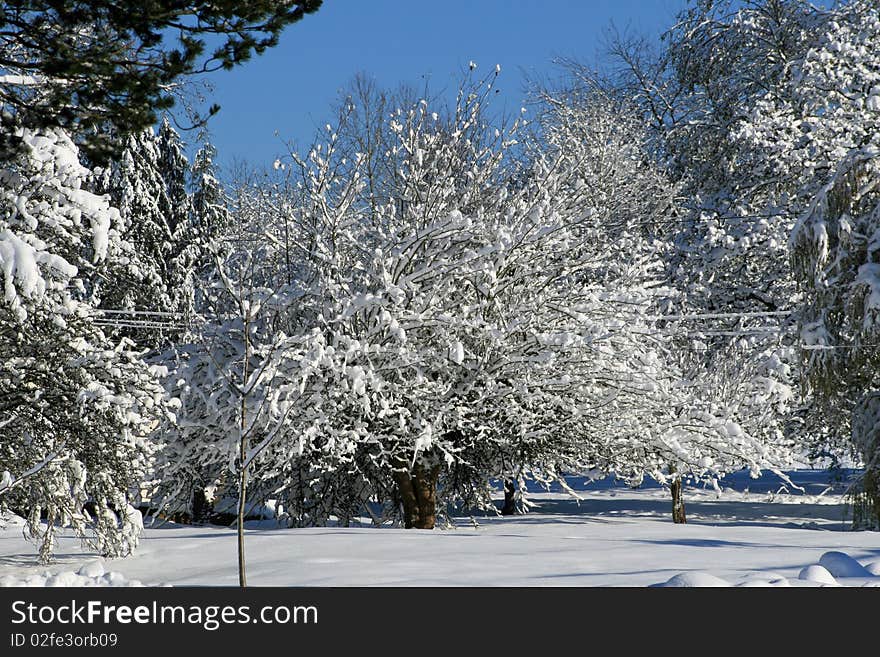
x,y
751,533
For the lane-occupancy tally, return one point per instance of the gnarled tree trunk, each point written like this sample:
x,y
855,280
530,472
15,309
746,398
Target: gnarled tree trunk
x,y
418,493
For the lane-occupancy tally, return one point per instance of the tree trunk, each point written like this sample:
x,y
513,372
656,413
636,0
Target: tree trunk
x,y
678,516
425,485
201,508
509,507
418,493
407,498
865,501
242,498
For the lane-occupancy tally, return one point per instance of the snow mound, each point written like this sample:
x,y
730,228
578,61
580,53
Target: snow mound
x,y
93,569
831,566
90,574
10,520
695,579
841,564
764,580
818,574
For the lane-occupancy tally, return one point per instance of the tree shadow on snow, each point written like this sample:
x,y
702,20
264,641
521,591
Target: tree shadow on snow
x,y
827,517
701,543
31,559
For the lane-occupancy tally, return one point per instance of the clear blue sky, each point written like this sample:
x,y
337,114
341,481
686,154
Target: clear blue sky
x,y
290,89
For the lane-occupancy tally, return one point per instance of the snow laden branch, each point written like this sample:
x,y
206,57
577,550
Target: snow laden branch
x,y
8,481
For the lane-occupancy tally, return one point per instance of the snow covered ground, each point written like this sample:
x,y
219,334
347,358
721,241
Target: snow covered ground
x,y
751,533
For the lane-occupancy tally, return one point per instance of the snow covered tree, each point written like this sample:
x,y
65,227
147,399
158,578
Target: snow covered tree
x,y
732,227
426,334
209,203
730,261
822,135
235,394
76,406
174,171
680,418
733,251
499,321
721,58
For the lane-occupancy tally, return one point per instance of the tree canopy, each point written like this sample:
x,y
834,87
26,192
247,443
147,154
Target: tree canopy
x,y
85,65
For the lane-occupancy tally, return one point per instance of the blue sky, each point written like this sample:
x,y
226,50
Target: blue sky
x,y
287,92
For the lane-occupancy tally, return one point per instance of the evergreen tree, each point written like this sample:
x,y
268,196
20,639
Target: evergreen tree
x,y
76,406
85,65
209,202
148,184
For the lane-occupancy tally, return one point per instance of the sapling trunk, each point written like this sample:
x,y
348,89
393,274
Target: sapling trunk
x,y
242,457
242,491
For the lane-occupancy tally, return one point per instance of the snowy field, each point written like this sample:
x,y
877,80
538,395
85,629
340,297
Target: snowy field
x,y
752,532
